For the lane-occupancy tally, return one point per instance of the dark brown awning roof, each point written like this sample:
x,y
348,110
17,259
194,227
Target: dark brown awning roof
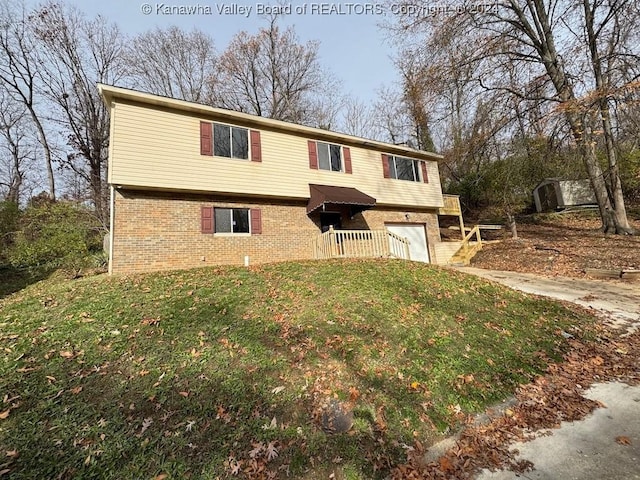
x,y
322,195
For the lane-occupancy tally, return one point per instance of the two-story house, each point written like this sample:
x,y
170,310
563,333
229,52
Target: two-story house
x,y
193,185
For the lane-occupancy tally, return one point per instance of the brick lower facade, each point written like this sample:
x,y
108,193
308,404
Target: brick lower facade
x,y
162,231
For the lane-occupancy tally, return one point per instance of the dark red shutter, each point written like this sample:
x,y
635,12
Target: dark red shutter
x,y
256,221
313,155
347,159
206,219
206,140
425,177
256,148
385,166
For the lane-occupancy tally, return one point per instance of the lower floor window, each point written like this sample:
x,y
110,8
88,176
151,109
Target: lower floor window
x,y
232,220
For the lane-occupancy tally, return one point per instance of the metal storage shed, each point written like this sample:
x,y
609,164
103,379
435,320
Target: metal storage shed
x,y
557,193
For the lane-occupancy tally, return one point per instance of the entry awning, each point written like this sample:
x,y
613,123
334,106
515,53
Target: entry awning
x,y
322,196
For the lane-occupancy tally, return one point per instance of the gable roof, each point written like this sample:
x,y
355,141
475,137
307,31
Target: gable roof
x,y
112,93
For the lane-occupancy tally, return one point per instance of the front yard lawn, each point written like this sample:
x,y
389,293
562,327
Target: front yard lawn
x,y
228,372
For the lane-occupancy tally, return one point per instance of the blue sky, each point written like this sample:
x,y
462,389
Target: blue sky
x,y
352,45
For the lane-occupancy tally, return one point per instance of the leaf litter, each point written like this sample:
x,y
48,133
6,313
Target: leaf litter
x,y
550,399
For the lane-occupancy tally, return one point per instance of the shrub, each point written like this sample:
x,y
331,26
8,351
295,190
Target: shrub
x,y
630,176
9,215
54,234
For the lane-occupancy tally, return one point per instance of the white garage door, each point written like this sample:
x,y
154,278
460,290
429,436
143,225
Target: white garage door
x,y
416,234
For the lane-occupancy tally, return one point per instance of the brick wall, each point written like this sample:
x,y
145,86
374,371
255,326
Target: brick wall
x,y
162,231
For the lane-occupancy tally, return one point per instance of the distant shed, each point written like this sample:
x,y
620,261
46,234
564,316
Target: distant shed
x,y
556,193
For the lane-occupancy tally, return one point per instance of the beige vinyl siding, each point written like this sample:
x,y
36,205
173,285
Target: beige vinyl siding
x,y
159,148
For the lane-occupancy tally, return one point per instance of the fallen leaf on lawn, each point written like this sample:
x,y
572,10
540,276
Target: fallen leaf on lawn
x,y
146,423
271,451
277,389
142,373
354,394
5,471
66,354
12,454
76,390
623,440
4,414
162,476
184,394
257,449
272,425
445,464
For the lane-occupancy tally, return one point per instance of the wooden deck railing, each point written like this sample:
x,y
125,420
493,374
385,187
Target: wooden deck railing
x,y
451,205
360,243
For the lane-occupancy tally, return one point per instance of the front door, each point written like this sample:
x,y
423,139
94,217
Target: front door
x,y
328,219
416,234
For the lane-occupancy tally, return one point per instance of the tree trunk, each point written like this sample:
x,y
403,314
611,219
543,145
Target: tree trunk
x,y
617,221
511,223
47,152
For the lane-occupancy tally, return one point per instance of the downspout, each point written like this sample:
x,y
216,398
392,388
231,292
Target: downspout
x,y
112,214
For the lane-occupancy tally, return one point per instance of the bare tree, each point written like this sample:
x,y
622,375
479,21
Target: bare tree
x,y
607,28
172,62
397,116
76,53
20,74
359,118
524,34
272,75
16,152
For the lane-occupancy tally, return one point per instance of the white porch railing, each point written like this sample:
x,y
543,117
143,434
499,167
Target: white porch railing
x,y
360,243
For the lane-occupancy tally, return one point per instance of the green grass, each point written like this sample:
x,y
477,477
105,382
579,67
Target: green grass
x,y
193,373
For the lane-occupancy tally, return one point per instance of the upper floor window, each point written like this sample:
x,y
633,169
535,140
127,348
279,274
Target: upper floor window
x,y
328,156
404,168
228,141
232,142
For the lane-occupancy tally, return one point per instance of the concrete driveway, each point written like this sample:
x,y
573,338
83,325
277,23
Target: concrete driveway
x,y
605,444
617,303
